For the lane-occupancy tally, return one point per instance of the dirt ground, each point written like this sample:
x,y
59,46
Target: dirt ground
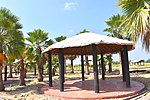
x,y
29,92
32,89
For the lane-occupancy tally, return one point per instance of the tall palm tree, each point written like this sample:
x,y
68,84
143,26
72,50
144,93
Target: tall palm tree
x,y
30,58
137,20
17,50
115,30
38,39
86,56
21,57
9,27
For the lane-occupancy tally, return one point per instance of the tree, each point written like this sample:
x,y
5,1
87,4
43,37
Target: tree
x,y
137,20
86,56
71,58
60,38
30,58
38,39
18,51
10,64
9,27
10,58
115,29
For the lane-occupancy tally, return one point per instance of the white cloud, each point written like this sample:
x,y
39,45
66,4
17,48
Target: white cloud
x,y
71,31
70,5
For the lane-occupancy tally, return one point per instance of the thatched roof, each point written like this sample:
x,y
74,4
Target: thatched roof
x,y
82,44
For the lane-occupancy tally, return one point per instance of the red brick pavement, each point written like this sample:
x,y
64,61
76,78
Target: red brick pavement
x,y
78,90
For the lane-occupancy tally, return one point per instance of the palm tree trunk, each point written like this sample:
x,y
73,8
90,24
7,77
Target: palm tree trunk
x,y
25,72
35,70
10,71
18,70
110,63
5,73
2,88
110,67
42,70
5,69
87,65
72,67
40,76
22,75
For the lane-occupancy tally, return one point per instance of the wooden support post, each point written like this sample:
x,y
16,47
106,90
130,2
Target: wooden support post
x,y
61,68
126,64
103,67
50,69
96,79
82,67
122,64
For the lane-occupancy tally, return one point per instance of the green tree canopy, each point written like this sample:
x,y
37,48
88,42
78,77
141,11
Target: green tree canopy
x,y
60,38
38,40
137,19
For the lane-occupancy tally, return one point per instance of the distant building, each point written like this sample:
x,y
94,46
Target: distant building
x,y
138,62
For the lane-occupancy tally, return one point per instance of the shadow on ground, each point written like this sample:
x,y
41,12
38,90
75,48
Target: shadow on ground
x,y
12,87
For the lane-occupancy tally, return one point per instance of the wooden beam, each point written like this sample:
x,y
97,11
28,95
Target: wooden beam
x,y
96,79
50,69
61,68
82,67
103,67
122,64
126,63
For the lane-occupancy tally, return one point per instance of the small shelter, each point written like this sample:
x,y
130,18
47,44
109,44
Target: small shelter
x,y
138,62
90,44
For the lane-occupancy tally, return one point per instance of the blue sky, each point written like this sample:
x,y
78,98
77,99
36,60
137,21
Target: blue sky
x,y
67,17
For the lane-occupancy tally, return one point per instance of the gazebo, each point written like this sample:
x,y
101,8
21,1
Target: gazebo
x,y
90,44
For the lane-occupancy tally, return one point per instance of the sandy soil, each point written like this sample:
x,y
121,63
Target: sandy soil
x,y
29,92
32,89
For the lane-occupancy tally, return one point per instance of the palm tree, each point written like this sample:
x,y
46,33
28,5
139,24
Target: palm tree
x,y
115,29
18,51
137,20
10,64
9,27
71,58
38,39
86,56
109,59
30,58
22,68
60,38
